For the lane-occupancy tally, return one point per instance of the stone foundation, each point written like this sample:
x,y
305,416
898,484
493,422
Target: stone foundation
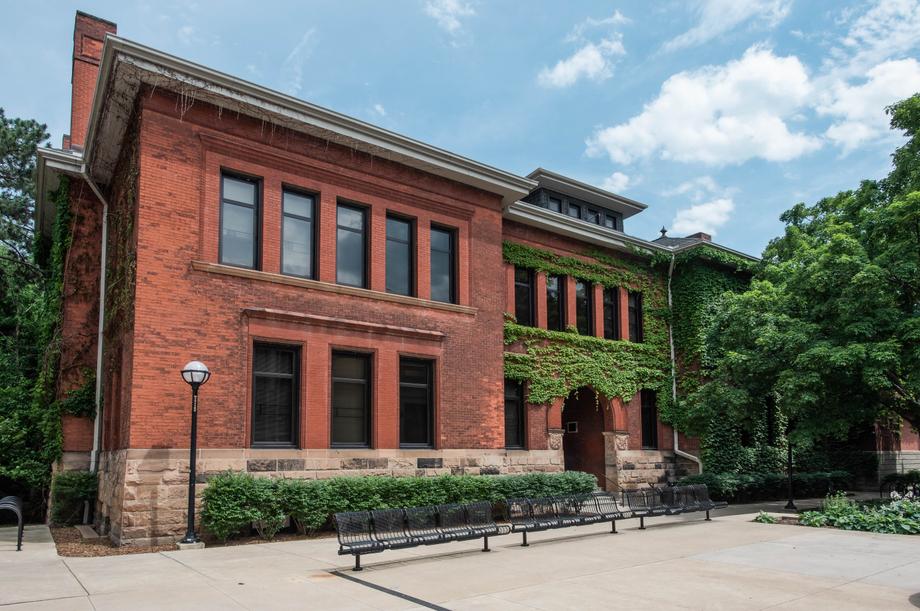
x,y
143,494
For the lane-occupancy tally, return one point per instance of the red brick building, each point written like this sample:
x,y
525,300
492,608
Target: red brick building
x,y
354,292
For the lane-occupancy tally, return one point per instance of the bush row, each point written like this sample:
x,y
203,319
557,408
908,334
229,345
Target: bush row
x,y
233,501
899,517
69,491
743,488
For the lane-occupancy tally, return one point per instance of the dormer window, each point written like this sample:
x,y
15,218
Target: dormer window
x,y
576,208
554,204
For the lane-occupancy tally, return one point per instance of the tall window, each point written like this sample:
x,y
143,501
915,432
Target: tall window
x,y
611,313
583,307
297,234
649,420
635,317
416,404
400,256
239,221
555,302
523,296
275,372
514,414
351,399
443,265
351,246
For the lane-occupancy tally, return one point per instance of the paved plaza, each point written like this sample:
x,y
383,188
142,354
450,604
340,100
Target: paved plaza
x,y
729,563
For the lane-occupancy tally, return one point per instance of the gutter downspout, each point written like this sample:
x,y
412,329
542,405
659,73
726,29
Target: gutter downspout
x,y
97,422
677,449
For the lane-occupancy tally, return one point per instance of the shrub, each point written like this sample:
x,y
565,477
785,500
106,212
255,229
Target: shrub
x,y
69,491
894,517
742,488
765,518
234,500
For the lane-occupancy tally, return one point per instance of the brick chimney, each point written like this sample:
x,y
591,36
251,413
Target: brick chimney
x,y
88,35
699,235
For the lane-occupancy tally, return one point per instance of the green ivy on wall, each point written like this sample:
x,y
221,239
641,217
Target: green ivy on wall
x,y
556,363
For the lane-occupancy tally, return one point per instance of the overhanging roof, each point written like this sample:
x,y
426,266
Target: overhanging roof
x,y
52,163
126,65
589,193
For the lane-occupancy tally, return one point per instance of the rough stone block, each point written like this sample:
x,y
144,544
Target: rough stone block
x,y
290,464
261,464
430,463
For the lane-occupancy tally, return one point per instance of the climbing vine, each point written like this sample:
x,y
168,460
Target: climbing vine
x,y
555,363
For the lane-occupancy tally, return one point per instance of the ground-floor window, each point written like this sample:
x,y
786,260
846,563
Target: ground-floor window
x,y
275,389
514,414
416,405
649,420
351,399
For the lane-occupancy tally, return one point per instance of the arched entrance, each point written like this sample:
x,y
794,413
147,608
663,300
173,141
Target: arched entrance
x,y
583,434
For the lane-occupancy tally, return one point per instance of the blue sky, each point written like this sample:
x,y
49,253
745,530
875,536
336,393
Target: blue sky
x,y
718,114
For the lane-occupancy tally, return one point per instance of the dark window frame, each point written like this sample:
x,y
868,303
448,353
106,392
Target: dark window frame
x,y
454,260
257,214
634,304
314,225
649,426
431,364
365,234
589,298
614,293
413,251
295,391
531,301
561,310
368,399
522,415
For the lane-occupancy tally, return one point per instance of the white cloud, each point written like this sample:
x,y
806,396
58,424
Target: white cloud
x,y
380,110
578,31
707,217
616,182
592,61
186,34
449,13
719,115
717,17
859,109
697,189
292,67
890,29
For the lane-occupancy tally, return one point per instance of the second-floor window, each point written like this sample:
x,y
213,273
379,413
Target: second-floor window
x,y
611,313
523,296
635,317
443,265
400,256
351,246
239,221
297,234
584,307
555,303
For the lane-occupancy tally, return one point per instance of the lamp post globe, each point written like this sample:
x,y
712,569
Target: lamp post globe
x,y
195,374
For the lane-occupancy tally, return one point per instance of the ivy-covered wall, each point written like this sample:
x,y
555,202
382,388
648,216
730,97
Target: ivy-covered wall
x,y
555,363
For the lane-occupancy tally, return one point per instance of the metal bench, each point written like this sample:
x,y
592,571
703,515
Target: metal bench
x,y
534,515
368,532
14,504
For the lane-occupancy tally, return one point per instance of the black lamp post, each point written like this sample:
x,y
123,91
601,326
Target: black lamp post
x,y
196,374
791,503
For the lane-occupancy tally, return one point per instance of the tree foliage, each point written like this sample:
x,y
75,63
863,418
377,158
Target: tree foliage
x,y
18,141
829,332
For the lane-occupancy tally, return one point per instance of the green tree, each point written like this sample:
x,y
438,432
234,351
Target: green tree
x,y
829,331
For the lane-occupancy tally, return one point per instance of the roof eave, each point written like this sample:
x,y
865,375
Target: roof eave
x,y
49,166
309,118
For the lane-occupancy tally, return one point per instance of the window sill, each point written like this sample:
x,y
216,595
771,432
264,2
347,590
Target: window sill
x,y
340,289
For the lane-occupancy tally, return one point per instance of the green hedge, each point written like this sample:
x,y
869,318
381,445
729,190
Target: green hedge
x,y
738,488
233,501
69,490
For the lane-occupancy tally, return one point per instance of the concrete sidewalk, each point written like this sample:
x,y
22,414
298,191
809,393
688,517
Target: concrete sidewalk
x,y
679,562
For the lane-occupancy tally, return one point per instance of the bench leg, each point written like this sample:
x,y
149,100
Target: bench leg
x,y
707,516
525,544
613,527
485,544
641,523
358,563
